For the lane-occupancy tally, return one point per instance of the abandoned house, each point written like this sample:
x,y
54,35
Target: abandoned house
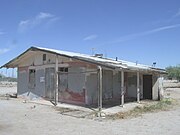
x,y
80,79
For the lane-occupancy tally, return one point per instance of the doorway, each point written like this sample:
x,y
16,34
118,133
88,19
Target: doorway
x,y
147,86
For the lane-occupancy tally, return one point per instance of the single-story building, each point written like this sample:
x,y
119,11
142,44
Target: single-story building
x,y
81,79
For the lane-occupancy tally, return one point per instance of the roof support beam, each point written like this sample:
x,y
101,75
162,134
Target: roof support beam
x,y
100,90
122,88
56,80
138,88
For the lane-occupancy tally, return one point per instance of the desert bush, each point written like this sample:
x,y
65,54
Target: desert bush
x,y
173,72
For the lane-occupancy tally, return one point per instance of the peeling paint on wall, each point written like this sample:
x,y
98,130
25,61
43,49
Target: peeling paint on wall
x,y
70,95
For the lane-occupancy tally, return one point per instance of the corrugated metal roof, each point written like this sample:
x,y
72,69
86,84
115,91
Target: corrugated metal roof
x,y
96,60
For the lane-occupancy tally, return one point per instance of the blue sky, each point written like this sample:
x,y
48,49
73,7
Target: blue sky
x,y
146,31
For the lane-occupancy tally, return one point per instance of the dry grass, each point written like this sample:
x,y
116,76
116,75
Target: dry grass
x,y
162,105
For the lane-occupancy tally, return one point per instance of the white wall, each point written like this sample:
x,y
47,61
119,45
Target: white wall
x,y
155,89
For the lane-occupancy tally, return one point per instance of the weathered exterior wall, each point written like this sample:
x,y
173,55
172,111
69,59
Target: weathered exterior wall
x,y
23,82
75,91
111,86
116,85
22,86
91,88
161,88
131,90
107,78
40,85
132,85
155,88
36,62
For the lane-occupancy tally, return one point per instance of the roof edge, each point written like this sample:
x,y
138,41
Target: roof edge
x,y
5,65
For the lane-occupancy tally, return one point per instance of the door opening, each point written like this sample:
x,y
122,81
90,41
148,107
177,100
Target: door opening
x,y
147,86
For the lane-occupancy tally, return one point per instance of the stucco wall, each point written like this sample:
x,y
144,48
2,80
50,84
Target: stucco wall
x,y
75,87
76,92
92,88
107,78
132,85
40,85
155,89
116,85
76,79
22,86
23,82
111,86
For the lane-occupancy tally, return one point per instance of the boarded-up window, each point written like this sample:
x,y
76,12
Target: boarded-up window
x,y
44,57
32,81
63,69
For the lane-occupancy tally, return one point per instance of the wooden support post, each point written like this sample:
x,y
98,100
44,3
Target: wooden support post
x,y
100,89
56,80
138,89
122,88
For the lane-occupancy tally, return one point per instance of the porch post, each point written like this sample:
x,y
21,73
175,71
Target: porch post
x,y
122,88
100,89
138,89
56,80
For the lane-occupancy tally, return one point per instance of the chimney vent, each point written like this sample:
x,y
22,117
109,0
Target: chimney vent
x,y
99,55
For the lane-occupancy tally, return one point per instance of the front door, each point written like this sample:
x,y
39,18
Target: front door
x,y
49,83
147,86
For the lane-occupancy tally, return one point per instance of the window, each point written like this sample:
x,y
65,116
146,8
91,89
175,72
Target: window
x,y
63,69
44,57
32,81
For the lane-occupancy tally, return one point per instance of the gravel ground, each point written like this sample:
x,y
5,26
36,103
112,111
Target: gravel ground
x,y
18,118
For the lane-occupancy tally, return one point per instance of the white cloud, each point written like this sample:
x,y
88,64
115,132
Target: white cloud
x,y
43,15
24,22
161,29
39,19
4,50
90,37
136,35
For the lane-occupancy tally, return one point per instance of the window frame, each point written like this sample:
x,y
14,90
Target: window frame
x,y
63,69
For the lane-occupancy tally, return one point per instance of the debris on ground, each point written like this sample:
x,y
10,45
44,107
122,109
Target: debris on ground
x,y
13,95
33,107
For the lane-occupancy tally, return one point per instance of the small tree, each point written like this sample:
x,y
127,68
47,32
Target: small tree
x,y
173,72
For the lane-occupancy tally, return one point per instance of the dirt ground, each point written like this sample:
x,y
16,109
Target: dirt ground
x,y
19,118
